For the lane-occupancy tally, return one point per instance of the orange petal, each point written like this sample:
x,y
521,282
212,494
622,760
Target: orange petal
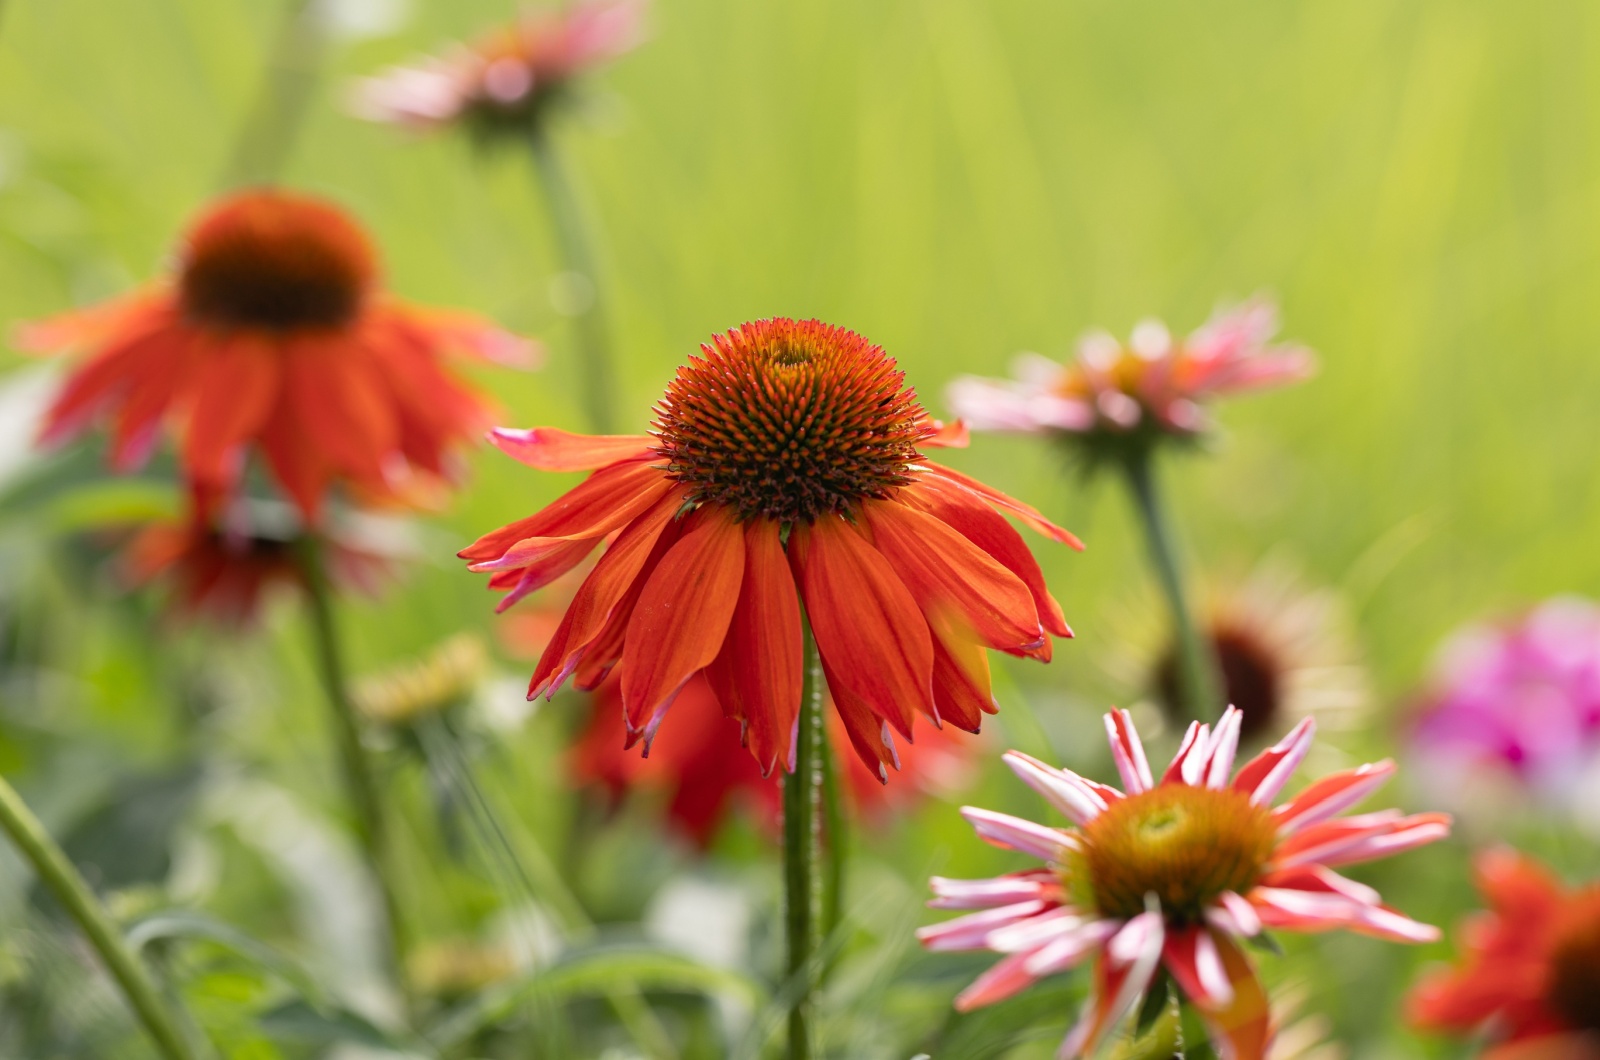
x,y
868,627
682,617
104,377
602,591
1026,514
952,435
236,388
869,734
975,520
607,499
549,449
757,677
339,401
952,578
961,688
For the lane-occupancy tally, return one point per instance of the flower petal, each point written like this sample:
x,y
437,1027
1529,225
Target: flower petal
x,y
1014,833
952,579
1026,514
1191,956
868,628
758,674
868,731
952,435
1348,840
1331,795
1240,1027
236,388
549,449
682,616
971,932
962,693
995,891
1128,752
606,500
1121,976
1080,800
1265,775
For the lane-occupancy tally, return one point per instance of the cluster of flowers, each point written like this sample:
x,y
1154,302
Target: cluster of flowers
x,y
784,499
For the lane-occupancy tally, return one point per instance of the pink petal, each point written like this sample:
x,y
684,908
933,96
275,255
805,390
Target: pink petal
x,y
1013,833
986,894
1128,752
1078,799
1331,795
971,932
1265,775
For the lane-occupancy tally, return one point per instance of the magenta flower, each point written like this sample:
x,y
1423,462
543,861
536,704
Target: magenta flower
x,y
1173,873
505,79
1152,382
1520,696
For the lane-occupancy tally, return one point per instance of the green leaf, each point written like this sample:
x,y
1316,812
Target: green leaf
x,y
187,924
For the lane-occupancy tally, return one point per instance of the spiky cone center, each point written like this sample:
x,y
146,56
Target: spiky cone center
x,y
1573,987
1252,672
268,259
790,420
1184,845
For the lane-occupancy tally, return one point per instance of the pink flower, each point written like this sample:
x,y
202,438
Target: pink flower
x,y
1520,696
1151,383
505,79
1172,873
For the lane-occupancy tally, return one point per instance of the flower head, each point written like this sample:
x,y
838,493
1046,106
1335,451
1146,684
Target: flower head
x,y
785,466
1531,968
445,677
226,571
1521,698
506,81
703,774
1173,873
1116,395
273,339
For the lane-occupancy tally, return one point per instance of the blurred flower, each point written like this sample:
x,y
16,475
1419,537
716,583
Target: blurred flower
x,y
704,776
784,465
227,571
1152,386
1531,973
504,82
272,336
458,967
1284,651
1520,699
446,677
1172,873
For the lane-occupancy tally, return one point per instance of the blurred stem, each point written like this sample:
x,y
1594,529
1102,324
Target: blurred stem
x,y
837,841
68,885
1198,686
361,786
566,218
802,797
539,880
274,122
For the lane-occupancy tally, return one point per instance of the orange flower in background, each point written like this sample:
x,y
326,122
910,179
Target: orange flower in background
x,y
228,572
1531,969
785,467
505,80
273,338
700,769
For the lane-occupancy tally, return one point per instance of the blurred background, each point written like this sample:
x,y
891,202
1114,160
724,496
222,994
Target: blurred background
x,y
1417,185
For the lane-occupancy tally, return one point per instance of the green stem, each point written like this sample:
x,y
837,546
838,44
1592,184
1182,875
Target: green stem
x,y
599,376
836,840
361,786
274,122
1199,688
802,797
73,893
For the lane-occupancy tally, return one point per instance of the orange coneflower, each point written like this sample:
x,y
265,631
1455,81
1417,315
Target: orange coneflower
x,y
273,337
784,467
1531,976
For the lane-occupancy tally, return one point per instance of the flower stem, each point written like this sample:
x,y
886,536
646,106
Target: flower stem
x,y
73,893
274,123
599,379
360,785
802,798
1199,689
837,838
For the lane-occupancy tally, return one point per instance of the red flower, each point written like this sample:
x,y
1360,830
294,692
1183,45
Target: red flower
x,y
704,777
274,338
784,467
227,573
1532,967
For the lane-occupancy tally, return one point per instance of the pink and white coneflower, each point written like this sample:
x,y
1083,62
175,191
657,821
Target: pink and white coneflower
x,y
1172,873
1152,383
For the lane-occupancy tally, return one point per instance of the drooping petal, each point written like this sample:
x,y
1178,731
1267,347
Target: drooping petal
x,y
1026,514
1240,1027
103,378
962,693
536,575
869,630
1265,775
604,589
336,393
1192,958
867,730
1121,976
1014,833
1128,751
549,449
979,523
758,674
682,616
1008,976
236,388
606,500
952,579
1331,795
